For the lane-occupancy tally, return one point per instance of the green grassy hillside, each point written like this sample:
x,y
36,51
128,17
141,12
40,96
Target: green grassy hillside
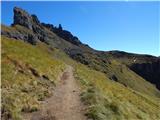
x,y
130,79
115,85
109,100
29,74
118,71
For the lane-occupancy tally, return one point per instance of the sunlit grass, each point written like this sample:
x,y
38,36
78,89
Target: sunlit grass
x,y
23,68
22,89
110,100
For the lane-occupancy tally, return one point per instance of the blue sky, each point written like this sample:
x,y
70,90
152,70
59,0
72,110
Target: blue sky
x,y
127,26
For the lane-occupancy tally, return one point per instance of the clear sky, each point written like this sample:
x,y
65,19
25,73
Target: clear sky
x,y
127,26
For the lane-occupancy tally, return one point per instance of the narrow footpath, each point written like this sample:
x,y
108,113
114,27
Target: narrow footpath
x,y
65,104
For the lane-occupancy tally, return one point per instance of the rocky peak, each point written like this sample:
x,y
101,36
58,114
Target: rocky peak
x,y
21,17
60,27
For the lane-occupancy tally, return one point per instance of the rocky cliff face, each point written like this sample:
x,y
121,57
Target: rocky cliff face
x,y
32,23
149,71
28,28
21,17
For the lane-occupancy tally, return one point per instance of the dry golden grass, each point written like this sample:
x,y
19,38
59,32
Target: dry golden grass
x,y
29,74
110,100
23,86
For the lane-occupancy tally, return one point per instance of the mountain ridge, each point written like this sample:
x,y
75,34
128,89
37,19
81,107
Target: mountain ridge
x,y
71,45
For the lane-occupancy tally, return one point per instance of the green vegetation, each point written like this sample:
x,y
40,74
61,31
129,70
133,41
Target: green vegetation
x,y
29,74
117,69
109,100
109,87
130,79
16,28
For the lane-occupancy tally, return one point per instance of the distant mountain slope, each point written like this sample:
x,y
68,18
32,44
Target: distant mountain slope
x,y
116,77
146,66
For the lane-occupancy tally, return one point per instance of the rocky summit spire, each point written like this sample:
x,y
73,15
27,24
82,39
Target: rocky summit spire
x,y
21,17
60,27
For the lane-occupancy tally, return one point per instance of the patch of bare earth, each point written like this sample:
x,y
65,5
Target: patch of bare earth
x,y
65,103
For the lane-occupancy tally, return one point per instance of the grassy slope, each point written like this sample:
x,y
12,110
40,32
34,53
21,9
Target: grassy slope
x,y
16,29
28,74
111,66
130,79
118,68
105,98
109,100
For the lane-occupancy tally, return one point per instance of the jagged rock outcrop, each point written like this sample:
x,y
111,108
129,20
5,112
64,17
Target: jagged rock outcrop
x,y
35,19
21,17
39,31
32,31
63,34
22,22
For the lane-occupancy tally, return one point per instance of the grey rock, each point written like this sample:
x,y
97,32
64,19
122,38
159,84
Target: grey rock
x,y
21,17
35,19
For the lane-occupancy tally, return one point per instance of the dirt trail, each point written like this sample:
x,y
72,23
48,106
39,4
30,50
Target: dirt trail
x,y
65,103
